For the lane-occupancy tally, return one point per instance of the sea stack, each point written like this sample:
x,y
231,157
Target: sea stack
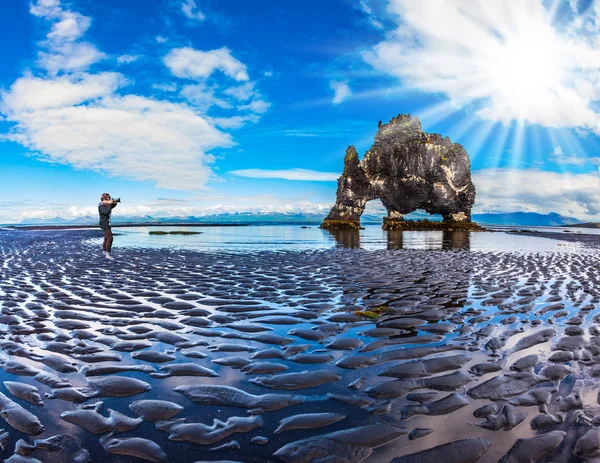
x,y
407,169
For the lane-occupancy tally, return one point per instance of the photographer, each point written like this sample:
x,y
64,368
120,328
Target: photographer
x,y
104,209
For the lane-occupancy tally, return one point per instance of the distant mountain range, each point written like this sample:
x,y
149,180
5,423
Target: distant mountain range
x,y
526,219
238,217
509,219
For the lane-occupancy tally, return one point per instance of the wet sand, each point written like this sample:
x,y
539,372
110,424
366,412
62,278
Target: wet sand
x,y
184,356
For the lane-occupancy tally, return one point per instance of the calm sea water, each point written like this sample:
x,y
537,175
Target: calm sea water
x,y
298,238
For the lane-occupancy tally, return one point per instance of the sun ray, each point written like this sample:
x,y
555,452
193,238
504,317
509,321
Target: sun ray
x,y
495,155
557,142
553,11
535,137
574,155
464,126
517,149
436,113
573,144
476,139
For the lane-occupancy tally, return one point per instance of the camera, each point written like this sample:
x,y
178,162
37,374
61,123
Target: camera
x,y
116,200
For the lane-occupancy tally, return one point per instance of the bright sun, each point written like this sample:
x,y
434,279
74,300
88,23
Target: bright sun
x,y
525,70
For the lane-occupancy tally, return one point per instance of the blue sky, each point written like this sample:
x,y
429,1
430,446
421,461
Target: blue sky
x,y
189,107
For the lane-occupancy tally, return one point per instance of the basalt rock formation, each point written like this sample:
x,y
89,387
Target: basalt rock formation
x,y
407,169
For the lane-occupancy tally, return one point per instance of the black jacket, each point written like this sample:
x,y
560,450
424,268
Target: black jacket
x,y
104,212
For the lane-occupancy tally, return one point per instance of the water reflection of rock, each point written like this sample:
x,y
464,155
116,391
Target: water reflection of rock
x,y
456,240
395,239
447,240
347,238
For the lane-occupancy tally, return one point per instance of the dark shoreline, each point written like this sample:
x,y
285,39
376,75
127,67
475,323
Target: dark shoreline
x,y
587,238
595,225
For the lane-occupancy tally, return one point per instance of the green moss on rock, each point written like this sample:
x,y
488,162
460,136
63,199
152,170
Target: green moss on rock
x,y
341,225
373,313
393,224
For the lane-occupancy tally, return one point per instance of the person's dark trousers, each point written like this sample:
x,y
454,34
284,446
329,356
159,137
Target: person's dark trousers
x,y
108,240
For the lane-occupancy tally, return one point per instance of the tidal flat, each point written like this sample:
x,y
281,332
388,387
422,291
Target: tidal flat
x,y
461,348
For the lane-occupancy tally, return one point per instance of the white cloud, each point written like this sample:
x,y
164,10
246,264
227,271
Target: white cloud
x,y
130,137
61,52
341,90
242,92
30,94
256,106
247,92
69,28
532,190
70,57
45,8
165,87
191,11
126,59
507,59
196,64
288,174
234,122
203,97
161,39
559,157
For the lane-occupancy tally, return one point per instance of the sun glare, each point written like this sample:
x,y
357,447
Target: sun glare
x,y
525,70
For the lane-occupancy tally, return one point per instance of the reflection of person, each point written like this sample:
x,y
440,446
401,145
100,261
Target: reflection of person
x,y
104,209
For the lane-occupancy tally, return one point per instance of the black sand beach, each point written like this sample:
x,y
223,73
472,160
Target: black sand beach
x,y
340,355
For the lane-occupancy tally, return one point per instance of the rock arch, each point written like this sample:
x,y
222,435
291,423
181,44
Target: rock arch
x,y
407,169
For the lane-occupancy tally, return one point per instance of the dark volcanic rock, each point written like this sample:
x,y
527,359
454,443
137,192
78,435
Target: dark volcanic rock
x,y
407,169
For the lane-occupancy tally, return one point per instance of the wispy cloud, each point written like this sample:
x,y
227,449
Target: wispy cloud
x,y
197,64
127,59
234,122
341,90
372,18
288,174
62,51
559,157
256,106
191,11
242,92
166,87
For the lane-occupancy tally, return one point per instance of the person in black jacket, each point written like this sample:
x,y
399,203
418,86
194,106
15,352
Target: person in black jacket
x,y
104,209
